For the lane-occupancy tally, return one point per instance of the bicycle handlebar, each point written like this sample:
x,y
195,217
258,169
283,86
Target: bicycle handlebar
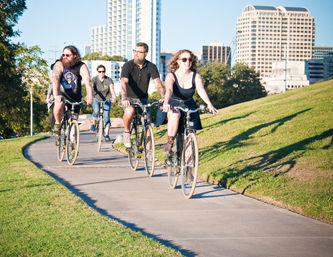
x,y
74,103
145,105
202,108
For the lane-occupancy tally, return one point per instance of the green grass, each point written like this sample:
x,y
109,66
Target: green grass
x,y
40,217
278,149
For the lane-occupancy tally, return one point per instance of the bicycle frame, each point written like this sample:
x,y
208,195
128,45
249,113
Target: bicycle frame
x,y
142,139
184,159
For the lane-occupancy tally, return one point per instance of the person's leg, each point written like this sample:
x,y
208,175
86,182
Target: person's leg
x,y
127,119
173,121
95,114
106,118
58,111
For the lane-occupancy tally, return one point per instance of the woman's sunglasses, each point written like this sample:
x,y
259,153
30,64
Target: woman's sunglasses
x,y
185,59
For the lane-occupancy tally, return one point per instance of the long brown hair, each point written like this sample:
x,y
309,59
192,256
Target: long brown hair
x,y
74,51
173,65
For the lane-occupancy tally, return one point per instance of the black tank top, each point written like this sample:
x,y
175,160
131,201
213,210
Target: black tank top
x,y
182,93
71,82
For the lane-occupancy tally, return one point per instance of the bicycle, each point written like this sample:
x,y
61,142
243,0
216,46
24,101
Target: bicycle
x,y
183,158
144,143
69,135
100,126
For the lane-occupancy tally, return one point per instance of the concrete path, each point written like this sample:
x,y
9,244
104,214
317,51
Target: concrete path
x,y
215,222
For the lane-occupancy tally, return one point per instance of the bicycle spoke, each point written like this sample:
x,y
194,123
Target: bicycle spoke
x,y
189,165
133,150
149,150
73,141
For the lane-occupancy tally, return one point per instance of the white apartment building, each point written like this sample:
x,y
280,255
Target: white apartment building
x,y
129,22
266,33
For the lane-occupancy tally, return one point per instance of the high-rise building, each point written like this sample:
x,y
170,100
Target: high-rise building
x,y
266,33
320,52
129,22
216,51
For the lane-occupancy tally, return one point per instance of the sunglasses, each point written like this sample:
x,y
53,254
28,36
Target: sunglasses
x,y
135,51
185,59
101,71
66,55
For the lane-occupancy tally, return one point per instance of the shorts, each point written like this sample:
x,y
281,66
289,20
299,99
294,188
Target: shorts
x,y
138,100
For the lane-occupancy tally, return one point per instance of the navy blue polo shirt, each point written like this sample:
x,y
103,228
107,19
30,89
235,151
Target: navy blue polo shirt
x,y
138,79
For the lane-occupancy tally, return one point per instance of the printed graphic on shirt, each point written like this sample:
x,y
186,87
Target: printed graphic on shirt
x,y
69,80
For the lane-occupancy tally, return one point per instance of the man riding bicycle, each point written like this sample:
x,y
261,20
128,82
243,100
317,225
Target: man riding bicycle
x,y
103,90
135,78
67,74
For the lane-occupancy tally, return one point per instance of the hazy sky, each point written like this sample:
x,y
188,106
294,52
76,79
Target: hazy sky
x,y
185,23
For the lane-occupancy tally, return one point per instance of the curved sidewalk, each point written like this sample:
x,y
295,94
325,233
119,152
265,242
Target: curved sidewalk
x,y
215,222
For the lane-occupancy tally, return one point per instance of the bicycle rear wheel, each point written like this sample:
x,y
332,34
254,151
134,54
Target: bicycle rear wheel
x,y
133,150
99,134
189,167
149,150
61,142
73,142
173,166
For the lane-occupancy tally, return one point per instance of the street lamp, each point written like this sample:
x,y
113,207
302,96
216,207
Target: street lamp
x,y
31,90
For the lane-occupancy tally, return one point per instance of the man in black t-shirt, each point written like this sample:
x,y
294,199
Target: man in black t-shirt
x,y
135,78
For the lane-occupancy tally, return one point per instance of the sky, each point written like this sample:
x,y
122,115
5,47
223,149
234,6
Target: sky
x,y
184,23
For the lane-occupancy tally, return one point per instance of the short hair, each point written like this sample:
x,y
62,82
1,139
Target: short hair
x,y
144,45
173,65
101,66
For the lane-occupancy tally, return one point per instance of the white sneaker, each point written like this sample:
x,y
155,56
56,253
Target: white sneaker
x,y
127,139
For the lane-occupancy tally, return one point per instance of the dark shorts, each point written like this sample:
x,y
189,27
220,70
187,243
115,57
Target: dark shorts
x,y
133,101
194,117
72,99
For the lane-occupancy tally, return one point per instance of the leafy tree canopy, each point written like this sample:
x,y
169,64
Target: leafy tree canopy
x,y
99,56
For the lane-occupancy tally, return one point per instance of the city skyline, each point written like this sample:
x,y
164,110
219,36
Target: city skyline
x,y
185,24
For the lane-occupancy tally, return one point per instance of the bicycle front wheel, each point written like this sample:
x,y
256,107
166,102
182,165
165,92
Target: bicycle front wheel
x,y
73,142
61,143
133,150
189,165
149,150
173,166
99,134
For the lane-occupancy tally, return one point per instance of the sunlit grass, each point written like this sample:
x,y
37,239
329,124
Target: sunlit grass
x,y
40,217
278,149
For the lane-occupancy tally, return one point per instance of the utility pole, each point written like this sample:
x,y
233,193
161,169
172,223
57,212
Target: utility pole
x,y
285,69
31,90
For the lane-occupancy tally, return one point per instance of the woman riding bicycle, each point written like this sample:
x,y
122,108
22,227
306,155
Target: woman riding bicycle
x,y
180,84
103,89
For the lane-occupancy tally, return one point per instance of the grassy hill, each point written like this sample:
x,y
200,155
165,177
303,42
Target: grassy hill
x,y
278,149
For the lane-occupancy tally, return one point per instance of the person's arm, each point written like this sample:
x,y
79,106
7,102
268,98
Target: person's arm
x,y
169,80
84,72
55,78
113,92
159,87
203,94
124,101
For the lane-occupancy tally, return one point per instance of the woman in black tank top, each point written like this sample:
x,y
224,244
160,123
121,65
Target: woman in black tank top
x,y
180,88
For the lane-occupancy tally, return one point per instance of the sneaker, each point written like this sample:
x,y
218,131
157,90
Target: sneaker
x,y
93,127
127,139
107,138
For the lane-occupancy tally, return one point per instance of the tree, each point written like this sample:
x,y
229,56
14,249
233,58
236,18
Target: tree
x,y
11,92
98,56
20,69
246,83
215,78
